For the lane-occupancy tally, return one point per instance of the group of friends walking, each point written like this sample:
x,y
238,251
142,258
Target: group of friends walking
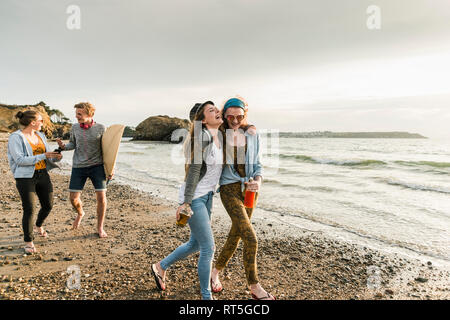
x,y
30,159
222,155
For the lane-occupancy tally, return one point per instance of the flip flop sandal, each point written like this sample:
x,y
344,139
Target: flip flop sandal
x,y
157,278
43,235
30,249
268,297
214,285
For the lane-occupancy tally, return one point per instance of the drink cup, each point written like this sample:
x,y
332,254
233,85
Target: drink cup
x,y
184,217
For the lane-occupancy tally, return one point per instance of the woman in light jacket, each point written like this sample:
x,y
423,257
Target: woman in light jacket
x,y
242,171
30,159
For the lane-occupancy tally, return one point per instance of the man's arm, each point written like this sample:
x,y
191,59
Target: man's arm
x,y
71,144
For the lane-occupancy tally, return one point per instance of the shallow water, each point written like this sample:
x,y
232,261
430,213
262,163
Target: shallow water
x,y
394,192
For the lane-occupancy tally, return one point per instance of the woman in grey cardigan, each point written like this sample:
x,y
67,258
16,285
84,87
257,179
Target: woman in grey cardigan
x,y
29,159
204,157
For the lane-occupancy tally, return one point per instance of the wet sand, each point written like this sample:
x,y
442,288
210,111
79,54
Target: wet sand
x,y
292,264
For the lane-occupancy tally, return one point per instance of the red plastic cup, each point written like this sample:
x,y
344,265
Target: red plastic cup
x,y
249,199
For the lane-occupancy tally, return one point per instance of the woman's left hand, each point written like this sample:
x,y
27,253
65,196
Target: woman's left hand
x,y
253,186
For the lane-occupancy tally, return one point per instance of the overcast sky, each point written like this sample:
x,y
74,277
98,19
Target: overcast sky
x,y
302,65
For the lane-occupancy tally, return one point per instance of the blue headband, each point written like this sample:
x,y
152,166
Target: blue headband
x,y
233,102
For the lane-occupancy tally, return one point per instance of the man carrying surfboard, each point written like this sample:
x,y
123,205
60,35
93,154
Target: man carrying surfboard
x,y
86,140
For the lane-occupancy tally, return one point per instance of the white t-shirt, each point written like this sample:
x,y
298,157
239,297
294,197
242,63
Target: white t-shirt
x,y
214,164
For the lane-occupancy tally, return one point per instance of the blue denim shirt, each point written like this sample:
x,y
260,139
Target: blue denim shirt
x,y
20,155
253,165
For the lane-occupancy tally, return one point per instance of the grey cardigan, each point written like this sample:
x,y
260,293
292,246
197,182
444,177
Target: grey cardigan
x,y
197,171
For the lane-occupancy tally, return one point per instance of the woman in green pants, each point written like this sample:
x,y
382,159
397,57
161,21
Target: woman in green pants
x,y
242,170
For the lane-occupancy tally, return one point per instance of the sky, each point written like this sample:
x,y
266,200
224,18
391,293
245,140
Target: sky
x,y
301,65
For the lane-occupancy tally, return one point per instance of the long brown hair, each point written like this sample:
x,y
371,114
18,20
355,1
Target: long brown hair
x,y
193,143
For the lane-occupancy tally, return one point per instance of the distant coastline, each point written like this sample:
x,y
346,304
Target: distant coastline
x,y
363,135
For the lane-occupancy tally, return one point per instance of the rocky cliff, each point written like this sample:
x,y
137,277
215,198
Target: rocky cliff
x,y
9,123
159,128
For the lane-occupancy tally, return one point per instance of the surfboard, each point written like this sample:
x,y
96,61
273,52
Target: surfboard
x,y
110,147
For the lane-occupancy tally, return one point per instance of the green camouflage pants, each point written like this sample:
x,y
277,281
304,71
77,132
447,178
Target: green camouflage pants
x,y
241,228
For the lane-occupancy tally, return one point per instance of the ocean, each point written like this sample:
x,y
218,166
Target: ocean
x,y
391,194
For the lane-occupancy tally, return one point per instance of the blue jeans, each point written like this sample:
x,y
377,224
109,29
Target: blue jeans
x,y
201,239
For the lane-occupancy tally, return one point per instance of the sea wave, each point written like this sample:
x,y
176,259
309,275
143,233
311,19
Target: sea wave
x,y
290,185
279,183
138,146
282,170
424,163
366,162
133,153
309,159
415,186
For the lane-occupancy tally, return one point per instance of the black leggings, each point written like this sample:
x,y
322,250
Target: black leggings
x,y
40,185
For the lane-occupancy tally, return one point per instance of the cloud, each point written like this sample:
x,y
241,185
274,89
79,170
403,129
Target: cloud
x,y
302,59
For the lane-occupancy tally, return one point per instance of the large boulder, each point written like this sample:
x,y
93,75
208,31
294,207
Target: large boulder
x,y
159,128
9,123
129,132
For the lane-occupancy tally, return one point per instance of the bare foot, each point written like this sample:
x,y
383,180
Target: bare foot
x,y
41,232
161,271
159,274
102,233
216,285
258,293
77,221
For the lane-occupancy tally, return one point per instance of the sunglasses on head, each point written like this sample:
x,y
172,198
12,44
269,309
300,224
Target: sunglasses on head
x,y
239,118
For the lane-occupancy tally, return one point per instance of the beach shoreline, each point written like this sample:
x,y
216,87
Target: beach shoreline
x,y
293,263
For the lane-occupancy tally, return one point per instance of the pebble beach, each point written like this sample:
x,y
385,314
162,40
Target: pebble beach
x,y
292,264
